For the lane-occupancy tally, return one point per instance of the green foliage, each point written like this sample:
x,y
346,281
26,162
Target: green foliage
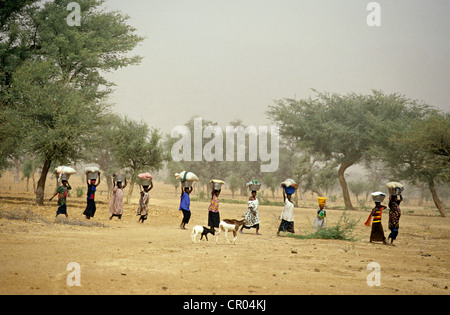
x,y
28,167
173,167
137,148
345,128
342,230
52,84
56,120
264,201
357,187
100,44
207,170
420,150
331,125
235,182
80,191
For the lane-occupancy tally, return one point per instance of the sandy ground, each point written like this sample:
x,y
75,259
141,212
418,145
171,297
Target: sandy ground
x,y
157,257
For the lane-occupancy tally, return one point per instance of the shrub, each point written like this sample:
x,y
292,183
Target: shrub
x,y
342,230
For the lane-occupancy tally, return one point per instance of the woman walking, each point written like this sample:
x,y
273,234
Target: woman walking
x,y
62,192
213,210
116,202
252,215
185,203
377,233
89,212
287,215
394,216
319,222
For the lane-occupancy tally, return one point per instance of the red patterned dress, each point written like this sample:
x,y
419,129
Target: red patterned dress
x,y
394,217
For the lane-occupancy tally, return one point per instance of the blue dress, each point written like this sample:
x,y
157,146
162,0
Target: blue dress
x,y
185,203
90,208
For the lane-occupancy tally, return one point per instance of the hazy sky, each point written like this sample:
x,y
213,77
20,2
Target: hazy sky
x,y
229,59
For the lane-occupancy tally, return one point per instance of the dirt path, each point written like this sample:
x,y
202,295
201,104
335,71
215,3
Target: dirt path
x,y
157,257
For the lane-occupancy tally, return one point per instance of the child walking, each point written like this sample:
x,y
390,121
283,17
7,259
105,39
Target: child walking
x,y
143,203
319,222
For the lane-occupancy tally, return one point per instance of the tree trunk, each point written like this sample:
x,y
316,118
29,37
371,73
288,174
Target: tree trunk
x,y
109,184
41,183
16,171
130,189
348,202
422,194
296,198
318,191
436,199
34,181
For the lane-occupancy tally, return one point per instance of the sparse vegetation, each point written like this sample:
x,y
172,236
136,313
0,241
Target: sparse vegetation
x,y
342,230
22,215
29,216
79,222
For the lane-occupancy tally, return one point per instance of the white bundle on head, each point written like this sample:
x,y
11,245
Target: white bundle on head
x,y
91,169
378,196
186,176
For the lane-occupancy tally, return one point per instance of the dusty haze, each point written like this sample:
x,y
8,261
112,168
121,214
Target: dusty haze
x,y
226,60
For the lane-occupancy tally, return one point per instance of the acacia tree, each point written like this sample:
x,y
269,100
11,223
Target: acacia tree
x,y
66,63
337,127
102,148
55,117
419,151
246,169
137,149
14,49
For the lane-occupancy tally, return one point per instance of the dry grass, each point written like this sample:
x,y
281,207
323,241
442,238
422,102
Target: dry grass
x,y
27,215
22,215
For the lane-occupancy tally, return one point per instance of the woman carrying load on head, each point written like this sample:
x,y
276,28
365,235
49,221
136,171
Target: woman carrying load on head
x,y
252,215
142,210
185,203
213,210
62,192
394,215
287,215
89,212
377,233
319,222
116,202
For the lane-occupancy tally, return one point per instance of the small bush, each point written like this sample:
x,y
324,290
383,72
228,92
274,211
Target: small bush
x,y
80,191
342,230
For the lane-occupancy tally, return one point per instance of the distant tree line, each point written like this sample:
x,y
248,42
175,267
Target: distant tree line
x,y
410,139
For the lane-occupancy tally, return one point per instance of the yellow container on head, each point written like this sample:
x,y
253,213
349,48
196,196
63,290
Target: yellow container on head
x,y
322,201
